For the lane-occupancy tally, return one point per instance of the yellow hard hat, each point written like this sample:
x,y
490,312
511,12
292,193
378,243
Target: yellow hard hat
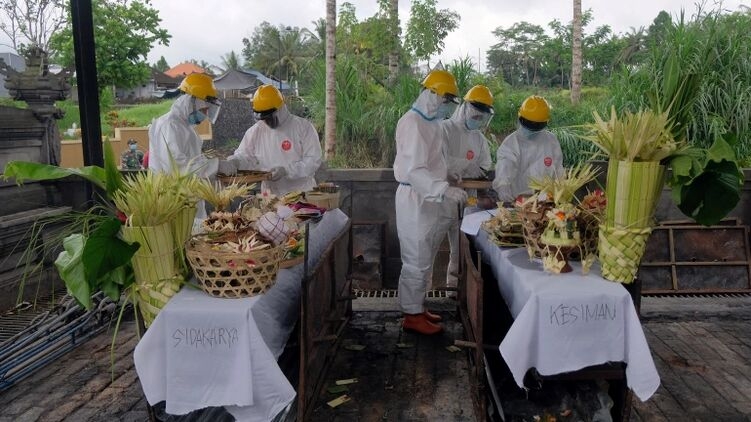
x,y
267,98
479,94
200,86
535,109
441,82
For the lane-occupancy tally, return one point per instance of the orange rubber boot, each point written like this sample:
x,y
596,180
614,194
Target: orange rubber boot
x,y
432,317
419,323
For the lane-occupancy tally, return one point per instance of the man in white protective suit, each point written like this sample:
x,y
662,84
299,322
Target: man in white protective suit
x,y
531,151
280,142
423,192
467,156
173,138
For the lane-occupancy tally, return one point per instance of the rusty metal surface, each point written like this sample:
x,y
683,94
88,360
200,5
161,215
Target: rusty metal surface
x,y
695,259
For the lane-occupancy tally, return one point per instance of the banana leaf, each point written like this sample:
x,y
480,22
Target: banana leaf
x,y
70,266
107,178
706,185
25,170
105,251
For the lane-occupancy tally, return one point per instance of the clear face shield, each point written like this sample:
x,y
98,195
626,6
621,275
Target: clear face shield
x,y
208,109
477,116
447,106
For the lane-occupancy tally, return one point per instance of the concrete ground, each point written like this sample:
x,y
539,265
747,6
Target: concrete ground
x,y
701,346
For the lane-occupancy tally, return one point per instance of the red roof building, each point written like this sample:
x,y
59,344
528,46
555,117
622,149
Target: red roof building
x,y
184,69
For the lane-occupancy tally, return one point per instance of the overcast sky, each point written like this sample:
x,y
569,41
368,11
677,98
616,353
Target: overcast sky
x,y
204,30
207,30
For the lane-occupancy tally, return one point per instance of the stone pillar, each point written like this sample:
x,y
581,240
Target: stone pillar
x,y
39,88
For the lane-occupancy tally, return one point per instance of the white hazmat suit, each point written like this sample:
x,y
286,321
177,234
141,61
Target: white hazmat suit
x,y
172,137
468,156
524,155
423,192
293,145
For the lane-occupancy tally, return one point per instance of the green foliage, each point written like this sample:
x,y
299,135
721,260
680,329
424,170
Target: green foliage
x,y
428,27
700,70
140,115
125,33
360,103
706,185
94,258
162,65
231,61
528,55
280,52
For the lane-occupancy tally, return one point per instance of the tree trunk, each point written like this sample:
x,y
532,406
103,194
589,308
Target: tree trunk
x,y
330,120
394,33
576,61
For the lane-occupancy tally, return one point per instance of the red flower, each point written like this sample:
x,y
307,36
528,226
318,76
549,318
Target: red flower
x,y
121,216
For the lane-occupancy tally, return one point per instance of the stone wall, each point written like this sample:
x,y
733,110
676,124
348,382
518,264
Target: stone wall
x,y
234,119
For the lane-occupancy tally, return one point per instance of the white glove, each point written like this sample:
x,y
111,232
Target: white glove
x,y
454,177
455,194
473,170
228,167
277,173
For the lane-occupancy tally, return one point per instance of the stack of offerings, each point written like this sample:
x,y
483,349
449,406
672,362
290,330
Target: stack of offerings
x,y
325,195
505,228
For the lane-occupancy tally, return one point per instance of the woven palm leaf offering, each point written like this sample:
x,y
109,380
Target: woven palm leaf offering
x,y
532,213
238,253
159,210
505,228
637,145
561,237
591,212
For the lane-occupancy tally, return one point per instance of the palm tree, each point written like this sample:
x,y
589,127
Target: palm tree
x,y
576,61
231,61
330,120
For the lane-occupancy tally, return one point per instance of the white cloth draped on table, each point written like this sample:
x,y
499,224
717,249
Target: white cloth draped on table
x,y
566,322
203,351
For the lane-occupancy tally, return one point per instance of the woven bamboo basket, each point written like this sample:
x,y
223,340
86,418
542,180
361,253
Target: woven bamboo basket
x,y
232,275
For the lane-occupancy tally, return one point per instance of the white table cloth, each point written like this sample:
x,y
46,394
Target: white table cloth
x,y
202,351
566,322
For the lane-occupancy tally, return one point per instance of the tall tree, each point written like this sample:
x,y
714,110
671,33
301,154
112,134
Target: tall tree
x,y
162,65
576,60
428,27
330,119
279,51
519,53
31,23
231,61
394,33
125,32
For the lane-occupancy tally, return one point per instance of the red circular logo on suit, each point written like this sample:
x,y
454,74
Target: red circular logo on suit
x,y
548,161
286,145
470,155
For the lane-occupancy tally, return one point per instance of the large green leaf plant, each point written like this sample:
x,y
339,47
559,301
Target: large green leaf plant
x,y
97,258
706,183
